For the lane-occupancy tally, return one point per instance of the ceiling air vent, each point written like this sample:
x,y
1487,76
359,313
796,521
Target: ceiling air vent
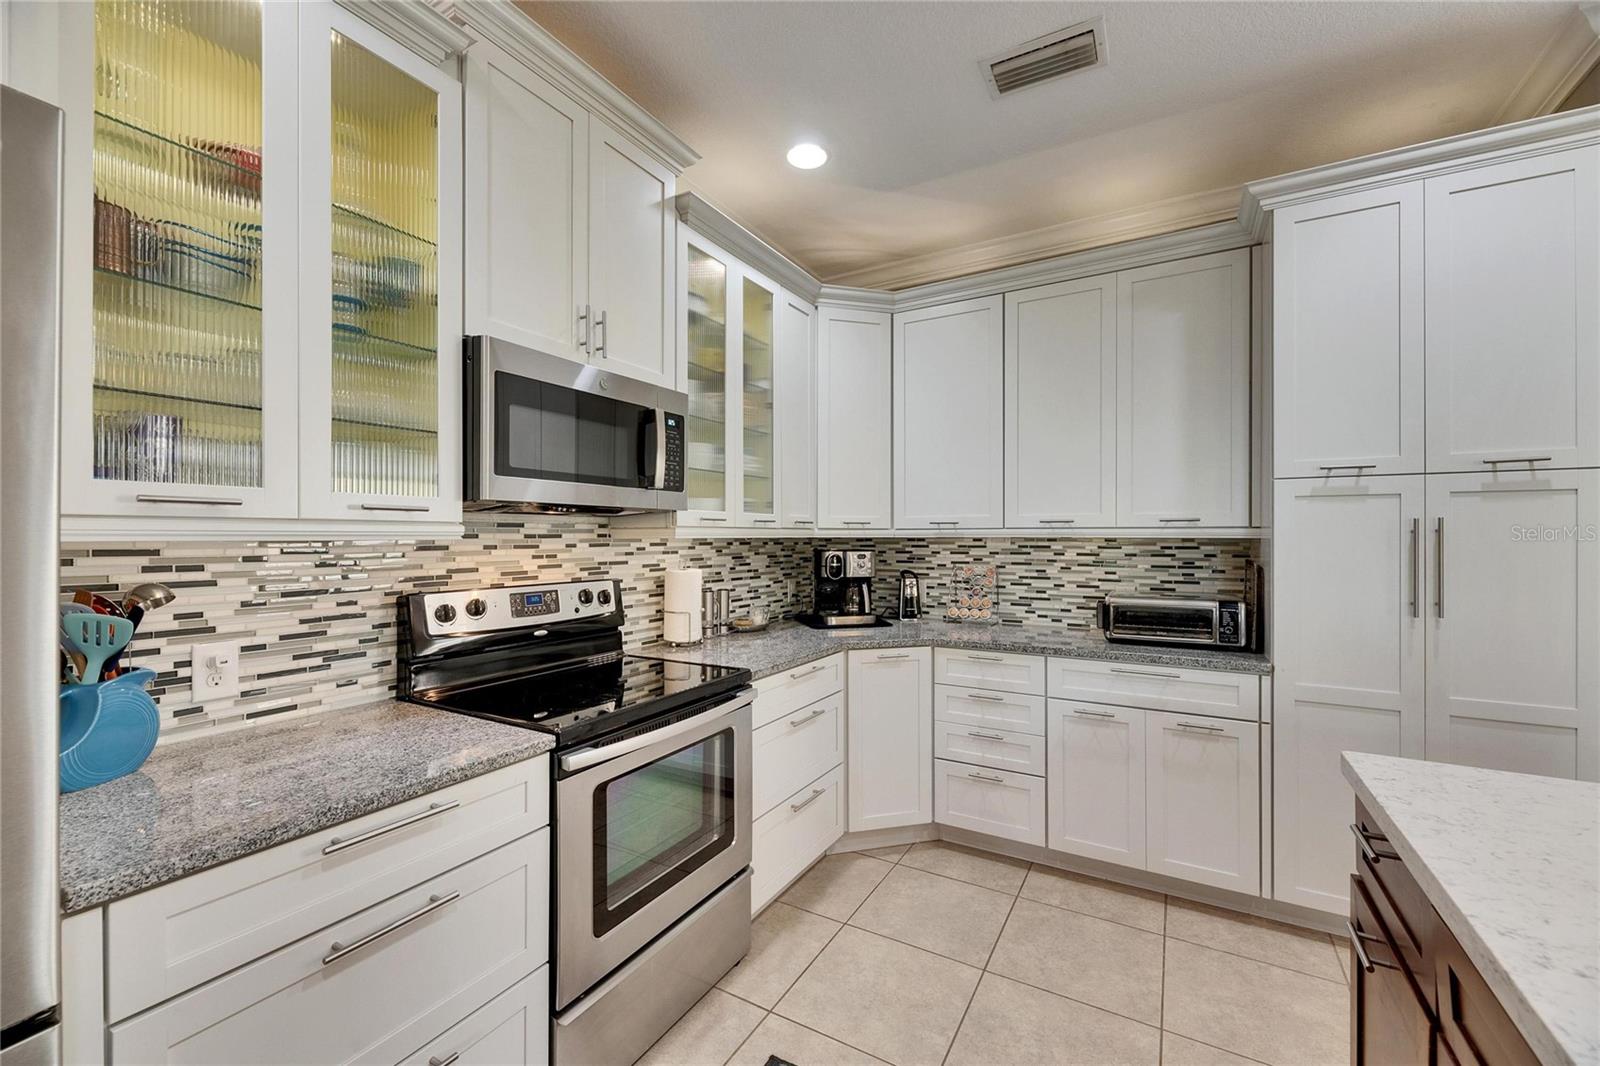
x,y
1042,59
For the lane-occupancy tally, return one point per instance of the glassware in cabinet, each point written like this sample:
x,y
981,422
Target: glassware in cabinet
x,y
707,333
756,360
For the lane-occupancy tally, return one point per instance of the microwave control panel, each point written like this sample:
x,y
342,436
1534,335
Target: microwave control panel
x,y
673,479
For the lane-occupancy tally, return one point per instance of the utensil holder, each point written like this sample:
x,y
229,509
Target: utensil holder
x,y
107,730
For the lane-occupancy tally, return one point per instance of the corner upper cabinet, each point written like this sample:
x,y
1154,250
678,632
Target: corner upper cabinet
x,y
380,269
854,398
570,226
1348,335
1183,393
949,413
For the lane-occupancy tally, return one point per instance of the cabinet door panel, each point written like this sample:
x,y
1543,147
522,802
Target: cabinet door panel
x,y
710,319
527,149
1203,800
631,252
1061,404
995,802
854,466
890,715
760,479
1348,663
797,411
948,412
1183,393
1513,328
1097,781
1347,333
1392,1026
1513,673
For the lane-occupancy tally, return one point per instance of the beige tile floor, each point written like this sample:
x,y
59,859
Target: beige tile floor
x,y
935,954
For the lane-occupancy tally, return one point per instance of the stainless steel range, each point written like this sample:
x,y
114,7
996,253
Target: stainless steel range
x,y
651,795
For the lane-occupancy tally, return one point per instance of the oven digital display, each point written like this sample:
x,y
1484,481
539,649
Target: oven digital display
x,y
532,604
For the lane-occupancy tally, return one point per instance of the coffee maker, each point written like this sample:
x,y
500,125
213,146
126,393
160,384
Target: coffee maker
x,y
841,596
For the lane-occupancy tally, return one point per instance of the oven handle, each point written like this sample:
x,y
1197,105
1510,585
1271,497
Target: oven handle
x,y
582,760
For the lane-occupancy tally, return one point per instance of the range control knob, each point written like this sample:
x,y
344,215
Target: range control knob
x,y
476,607
585,597
605,597
444,614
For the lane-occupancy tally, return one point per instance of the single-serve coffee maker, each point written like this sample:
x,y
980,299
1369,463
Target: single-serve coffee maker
x,y
841,596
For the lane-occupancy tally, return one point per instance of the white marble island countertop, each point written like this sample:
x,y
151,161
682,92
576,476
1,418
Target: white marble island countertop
x,y
1512,864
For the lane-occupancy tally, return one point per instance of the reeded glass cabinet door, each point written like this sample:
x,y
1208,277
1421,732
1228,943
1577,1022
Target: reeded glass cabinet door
x,y
759,474
706,465
185,403
380,303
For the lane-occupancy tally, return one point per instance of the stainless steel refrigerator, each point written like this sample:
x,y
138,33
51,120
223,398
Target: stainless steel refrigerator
x,y
30,320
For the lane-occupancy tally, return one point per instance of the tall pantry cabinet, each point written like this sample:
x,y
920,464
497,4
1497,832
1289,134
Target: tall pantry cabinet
x,y
1436,366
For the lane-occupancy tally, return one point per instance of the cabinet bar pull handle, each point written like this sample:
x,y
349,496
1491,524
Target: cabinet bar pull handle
x,y
210,501
1349,466
583,329
982,696
409,507
803,719
1057,521
1092,714
1146,673
1416,568
434,903
600,345
846,522
763,521
1367,963
712,518
1522,459
1438,566
987,777
338,844
1201,728
932,523
898,655
447,1060
798,674
1365,839
984,736
808,801
1177,520
804,522
986,658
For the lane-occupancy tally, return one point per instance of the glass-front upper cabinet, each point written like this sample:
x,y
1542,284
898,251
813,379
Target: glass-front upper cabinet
x,y
706,324
380,297
759,472
183,402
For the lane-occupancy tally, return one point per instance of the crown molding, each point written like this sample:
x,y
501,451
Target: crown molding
x,y
850,298
1533,137
415,24
504,24
706,219
1563,62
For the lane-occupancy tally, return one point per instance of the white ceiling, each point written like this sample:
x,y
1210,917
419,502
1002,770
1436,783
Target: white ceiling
x,y
1198,98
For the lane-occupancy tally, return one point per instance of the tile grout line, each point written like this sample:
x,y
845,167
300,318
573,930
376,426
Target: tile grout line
x,y
1262,962
1215,1047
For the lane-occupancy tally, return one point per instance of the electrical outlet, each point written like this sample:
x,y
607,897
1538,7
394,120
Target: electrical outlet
x,y
214,671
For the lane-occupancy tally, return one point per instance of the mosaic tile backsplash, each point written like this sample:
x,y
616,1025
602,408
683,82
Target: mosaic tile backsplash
x,y
316,618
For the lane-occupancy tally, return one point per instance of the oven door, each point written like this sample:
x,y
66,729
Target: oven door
x,y
647,826
547,433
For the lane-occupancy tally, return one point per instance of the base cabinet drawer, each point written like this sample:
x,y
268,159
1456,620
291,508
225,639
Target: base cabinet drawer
x,y
173,938
1392,1024
792,750
787,692
373,987
513,1027
994,671
996,802
1203,800
1021,753
1011,711
1158,688
794,834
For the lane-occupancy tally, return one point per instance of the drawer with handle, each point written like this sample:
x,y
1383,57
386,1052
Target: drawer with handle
x,y
797,748
789,690
997,802
991,671
512,1027
794,834
170,939
374,986
1014,712
1023,753
1218,693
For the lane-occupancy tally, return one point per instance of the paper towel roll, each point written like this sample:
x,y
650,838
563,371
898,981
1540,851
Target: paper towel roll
x,y
681,606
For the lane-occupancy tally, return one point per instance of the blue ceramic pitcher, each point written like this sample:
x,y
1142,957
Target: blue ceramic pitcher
x,y
107,730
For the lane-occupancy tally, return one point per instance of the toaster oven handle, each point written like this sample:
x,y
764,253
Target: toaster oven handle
x,y
1102,612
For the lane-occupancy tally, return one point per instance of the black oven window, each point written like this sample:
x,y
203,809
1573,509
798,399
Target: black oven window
x,y
555,433
656,825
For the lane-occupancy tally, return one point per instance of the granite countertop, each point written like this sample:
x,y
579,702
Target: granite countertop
x,y
788,644
198,803
1512,864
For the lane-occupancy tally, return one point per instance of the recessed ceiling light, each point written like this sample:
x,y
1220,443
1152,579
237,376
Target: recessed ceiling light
x,y
807,156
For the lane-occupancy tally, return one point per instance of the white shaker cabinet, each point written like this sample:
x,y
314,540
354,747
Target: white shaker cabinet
x,y
1513,313
1183,393
1061,405
1347,320
1097,781
890,738
1348,603
949,411
854,397
1203,800
1514,621
797,411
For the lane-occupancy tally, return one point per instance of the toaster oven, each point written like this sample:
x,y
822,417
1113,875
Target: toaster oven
x,y
1214,623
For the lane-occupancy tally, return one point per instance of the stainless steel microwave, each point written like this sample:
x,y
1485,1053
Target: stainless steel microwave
x,y
548,435
1218,623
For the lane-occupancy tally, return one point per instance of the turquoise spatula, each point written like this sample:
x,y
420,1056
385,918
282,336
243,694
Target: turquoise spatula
x,y
97,637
